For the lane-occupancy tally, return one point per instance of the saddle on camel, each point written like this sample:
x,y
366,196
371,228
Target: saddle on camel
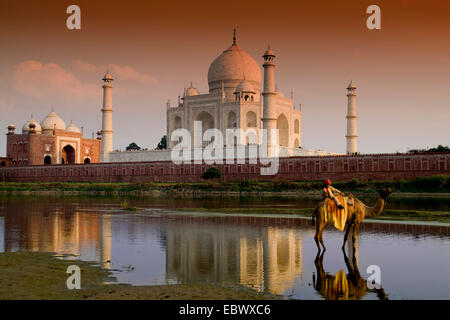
x,y
336,205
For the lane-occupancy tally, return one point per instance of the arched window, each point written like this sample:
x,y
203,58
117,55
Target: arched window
x,y
3,164
232,120
47,160
177,123
207,121
296,143
251,119
283,130
87,161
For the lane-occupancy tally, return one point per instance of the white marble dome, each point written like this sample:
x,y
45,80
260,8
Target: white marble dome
x,y
73,128
51,120
26,126
233,65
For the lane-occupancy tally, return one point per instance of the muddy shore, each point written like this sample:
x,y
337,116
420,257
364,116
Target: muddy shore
x,y
41,276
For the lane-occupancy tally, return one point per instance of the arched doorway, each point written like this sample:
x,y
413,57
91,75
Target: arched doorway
x,y
87,161
3,164
68,155
283,131
47,160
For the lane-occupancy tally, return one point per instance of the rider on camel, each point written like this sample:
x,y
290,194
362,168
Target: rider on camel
x,y
330,192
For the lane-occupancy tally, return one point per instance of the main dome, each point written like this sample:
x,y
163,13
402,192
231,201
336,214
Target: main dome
x,y
53,121
233,65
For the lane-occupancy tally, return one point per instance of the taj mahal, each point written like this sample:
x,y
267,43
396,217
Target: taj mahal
x,y
238,98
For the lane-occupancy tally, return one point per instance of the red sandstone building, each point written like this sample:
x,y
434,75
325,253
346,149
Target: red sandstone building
x,y
49,142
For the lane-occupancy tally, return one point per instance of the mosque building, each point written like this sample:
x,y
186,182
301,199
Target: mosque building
x,y
50,142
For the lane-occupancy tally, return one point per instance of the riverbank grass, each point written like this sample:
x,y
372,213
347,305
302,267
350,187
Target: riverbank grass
x,y
433,184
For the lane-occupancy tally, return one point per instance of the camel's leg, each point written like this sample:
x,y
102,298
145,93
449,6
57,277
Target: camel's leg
x,y
355,235
316,236
321,236
348,226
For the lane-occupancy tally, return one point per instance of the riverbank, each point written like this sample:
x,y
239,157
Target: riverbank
x,y
43,276
425,186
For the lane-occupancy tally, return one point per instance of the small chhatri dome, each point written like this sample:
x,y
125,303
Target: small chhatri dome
x,y
234,64
11,126
351,86
269,52
73,128
53,121
26,126
191,91
107,77
245,86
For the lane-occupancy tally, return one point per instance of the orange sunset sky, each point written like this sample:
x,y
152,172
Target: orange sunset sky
x,y
154,49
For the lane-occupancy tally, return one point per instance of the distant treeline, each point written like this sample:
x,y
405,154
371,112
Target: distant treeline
x,y
439,148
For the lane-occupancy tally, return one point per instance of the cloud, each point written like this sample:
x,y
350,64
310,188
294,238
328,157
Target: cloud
x,y
84,66
41,80
122,73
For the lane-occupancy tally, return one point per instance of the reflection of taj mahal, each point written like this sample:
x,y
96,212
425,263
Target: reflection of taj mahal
x,y
269,261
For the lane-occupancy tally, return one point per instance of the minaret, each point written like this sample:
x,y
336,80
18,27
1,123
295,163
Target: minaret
x,y
269,120
107,110
352,147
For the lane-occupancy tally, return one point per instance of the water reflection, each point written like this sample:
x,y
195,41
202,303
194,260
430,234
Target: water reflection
x,y
57,227
342,286
267,259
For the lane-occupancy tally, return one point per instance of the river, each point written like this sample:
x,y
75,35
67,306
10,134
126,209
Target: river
x,y
267,253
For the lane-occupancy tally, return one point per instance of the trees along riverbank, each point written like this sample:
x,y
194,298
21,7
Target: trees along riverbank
x,y
421,185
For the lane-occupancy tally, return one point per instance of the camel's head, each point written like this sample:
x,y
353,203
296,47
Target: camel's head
x,y
384,193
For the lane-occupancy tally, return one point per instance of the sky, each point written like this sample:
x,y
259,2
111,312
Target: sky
x,y
155,49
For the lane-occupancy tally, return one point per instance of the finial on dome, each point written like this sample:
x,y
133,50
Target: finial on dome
x,y
351,86
234,36
108,78
269,52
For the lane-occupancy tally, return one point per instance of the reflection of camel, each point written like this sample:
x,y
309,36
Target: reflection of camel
x,y
341,286
356,214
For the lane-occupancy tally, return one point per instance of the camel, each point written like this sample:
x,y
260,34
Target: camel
x,y
356,214
350,286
